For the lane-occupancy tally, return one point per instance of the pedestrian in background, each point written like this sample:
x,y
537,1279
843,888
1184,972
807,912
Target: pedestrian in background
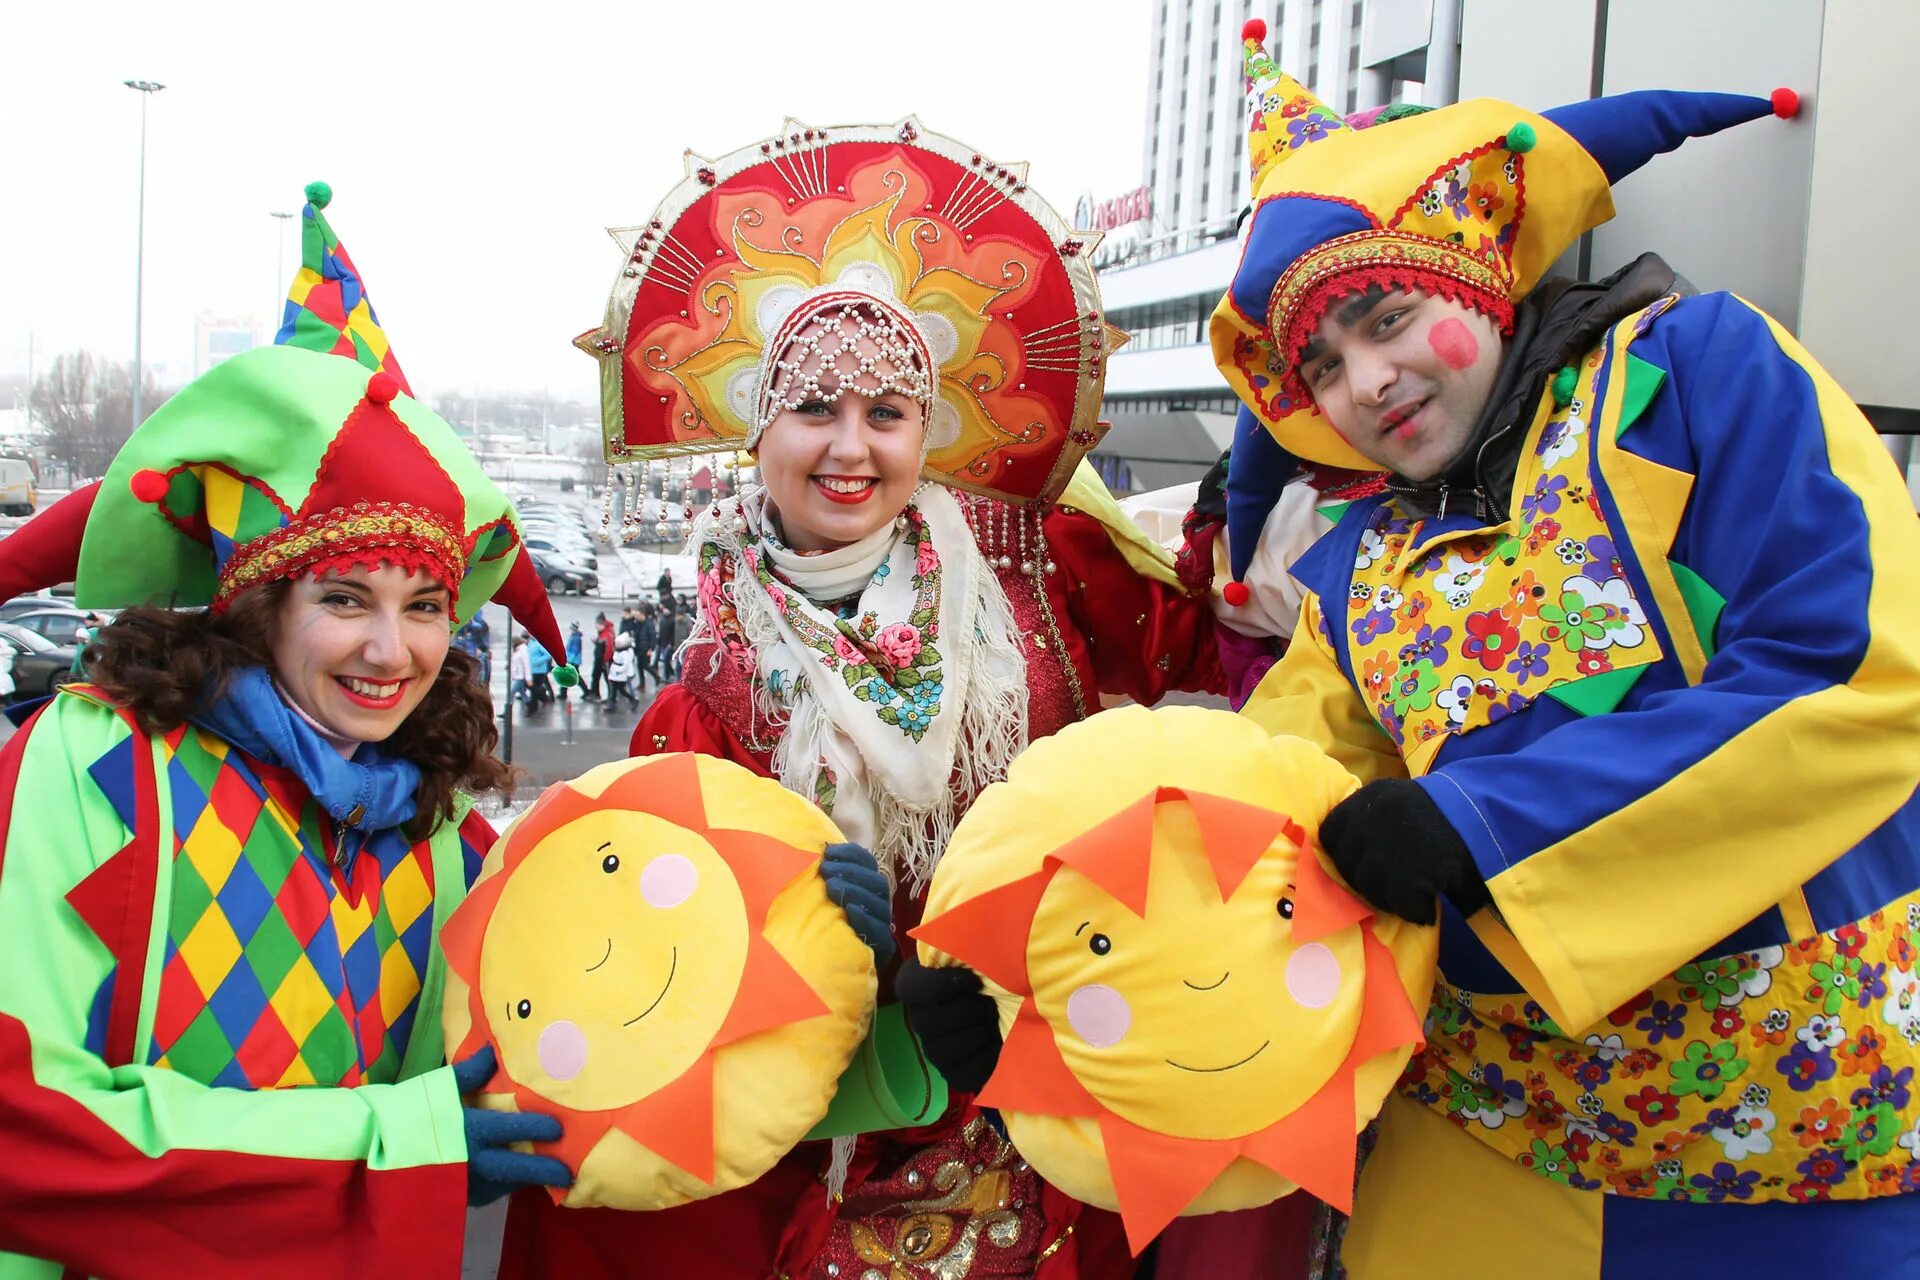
x,y
520,673
602,655
663,639
573,651
480,636
620,676
644,640
540,664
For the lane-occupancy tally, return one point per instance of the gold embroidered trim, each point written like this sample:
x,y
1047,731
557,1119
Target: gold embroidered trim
x,y
291,548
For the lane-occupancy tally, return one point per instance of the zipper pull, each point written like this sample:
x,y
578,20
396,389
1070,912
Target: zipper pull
x,y
1480,505
1441,514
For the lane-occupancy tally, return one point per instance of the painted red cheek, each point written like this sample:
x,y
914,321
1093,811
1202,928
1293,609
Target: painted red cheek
x,y
1454,343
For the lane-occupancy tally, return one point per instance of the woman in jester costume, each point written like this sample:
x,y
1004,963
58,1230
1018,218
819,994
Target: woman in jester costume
x,y
1625,656
225,860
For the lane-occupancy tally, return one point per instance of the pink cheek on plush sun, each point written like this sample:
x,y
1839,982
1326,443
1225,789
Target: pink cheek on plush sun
x,y
668,881
563,1050
1099,1015
1454,343
1313,976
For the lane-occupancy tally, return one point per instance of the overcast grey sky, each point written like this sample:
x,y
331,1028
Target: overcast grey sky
x,y
476,151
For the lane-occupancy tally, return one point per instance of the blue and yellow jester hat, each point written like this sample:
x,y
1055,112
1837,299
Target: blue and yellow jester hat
x,y
1473,202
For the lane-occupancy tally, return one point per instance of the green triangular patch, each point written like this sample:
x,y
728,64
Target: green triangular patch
x,y
1643,382
1334,510
311,332
1596,695
1703,604
258,515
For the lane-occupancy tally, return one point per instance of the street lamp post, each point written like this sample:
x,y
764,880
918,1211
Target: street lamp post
x,y
146,89
279,273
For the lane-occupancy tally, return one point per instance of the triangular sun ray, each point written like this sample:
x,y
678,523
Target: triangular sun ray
x,y
772,993
977,933
1314,1144
1032,1076
1116,854
1155,1176
675,1122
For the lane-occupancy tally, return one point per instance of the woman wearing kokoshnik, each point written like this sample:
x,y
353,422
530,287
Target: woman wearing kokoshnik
x,y
224,862
923,580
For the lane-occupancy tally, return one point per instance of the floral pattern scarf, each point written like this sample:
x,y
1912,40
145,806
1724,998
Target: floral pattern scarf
x,y
894,711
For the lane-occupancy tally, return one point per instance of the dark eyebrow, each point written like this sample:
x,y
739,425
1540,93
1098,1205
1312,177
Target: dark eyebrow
x,y
1349,313
1083,925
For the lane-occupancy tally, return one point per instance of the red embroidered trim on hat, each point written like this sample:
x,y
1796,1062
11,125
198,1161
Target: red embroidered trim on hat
x,y
368,533
1308,308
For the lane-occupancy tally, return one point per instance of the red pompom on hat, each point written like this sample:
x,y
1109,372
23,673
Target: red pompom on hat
x,y
148,485
1235,594
1256,29
382,387
1786,103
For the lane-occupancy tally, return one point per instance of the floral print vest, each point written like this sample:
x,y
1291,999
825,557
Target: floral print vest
x,y
1446,632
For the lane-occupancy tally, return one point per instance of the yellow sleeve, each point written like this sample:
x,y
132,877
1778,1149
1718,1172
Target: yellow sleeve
x,y
1306,695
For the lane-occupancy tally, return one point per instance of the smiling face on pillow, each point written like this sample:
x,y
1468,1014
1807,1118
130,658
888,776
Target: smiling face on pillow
x,y
1196,1019
623,996
636,937
1198,1016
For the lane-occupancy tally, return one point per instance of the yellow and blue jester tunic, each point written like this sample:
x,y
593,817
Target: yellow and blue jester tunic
x,y
1672,705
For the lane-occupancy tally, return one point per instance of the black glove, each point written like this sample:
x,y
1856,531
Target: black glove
x,y
958,1023
856,885
493,1167
1211,500
1392,844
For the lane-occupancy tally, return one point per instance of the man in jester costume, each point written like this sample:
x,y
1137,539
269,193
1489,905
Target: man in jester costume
x,y
1626,656
224,861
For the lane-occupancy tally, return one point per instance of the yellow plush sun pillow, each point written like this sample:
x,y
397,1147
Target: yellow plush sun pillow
x,y
652,953
1198,1016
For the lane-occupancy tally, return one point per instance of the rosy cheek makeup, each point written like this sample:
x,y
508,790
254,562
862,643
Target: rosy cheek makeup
x,y
1454,343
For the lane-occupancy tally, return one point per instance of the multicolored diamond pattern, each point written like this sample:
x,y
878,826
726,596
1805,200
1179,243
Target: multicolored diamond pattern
x,y
279,970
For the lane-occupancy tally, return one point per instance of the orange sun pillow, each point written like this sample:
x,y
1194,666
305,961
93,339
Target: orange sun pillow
x,y
1198,1015
651,952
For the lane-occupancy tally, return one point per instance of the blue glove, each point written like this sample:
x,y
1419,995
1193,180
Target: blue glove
x,y
493,1167
855,885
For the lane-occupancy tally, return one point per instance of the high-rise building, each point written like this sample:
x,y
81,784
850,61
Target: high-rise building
x,y
217,338
1171,246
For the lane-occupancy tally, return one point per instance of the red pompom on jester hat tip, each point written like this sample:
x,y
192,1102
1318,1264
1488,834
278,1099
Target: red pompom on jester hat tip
x,y
148,485
1786,103
382,387
1235,594
1256,29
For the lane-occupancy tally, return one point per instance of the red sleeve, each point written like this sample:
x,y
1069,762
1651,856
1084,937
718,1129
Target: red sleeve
x,y
679,721
1145,638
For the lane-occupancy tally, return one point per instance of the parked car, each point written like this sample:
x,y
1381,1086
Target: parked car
x,y
29,604
562,574
17,496
563,549
39,665
57,624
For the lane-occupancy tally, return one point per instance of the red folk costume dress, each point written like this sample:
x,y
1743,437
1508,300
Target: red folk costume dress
x,y
893,679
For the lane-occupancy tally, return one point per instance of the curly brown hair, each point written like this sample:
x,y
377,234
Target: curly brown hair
x,y
163,664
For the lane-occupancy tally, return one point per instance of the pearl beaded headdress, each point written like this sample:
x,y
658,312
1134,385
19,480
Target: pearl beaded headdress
x,y
837,341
